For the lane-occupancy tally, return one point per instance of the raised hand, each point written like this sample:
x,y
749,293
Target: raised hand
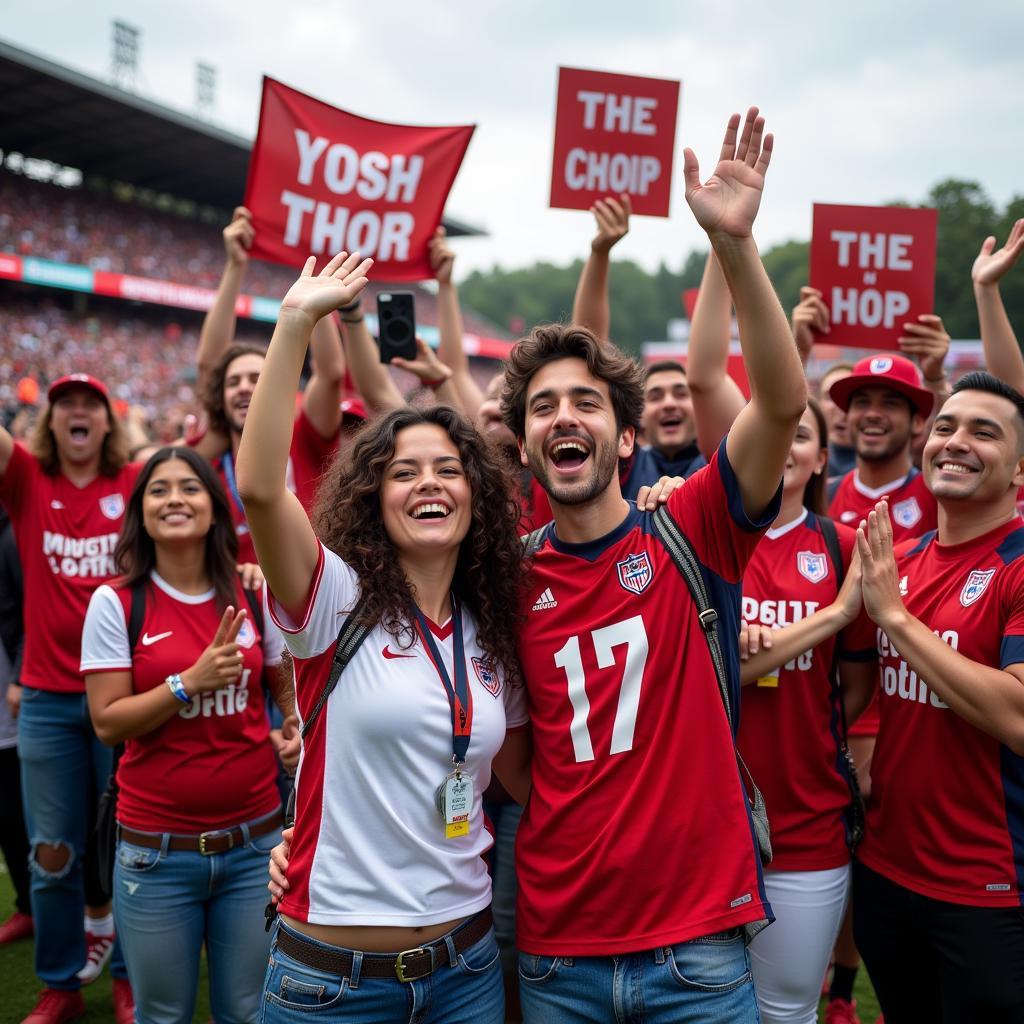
x,y
849,600
929,342
810,317
727,203
238,236
221,663
612,218
426,365
336,285
992,264
880,583
442,258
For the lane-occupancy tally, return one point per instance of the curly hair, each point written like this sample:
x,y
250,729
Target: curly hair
x,y
489,573
550,342
212,388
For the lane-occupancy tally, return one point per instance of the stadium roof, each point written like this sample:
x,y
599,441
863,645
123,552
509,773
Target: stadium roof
x,y
54,113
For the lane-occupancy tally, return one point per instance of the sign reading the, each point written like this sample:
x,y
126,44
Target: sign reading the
x,y
614,134
322,180
875,268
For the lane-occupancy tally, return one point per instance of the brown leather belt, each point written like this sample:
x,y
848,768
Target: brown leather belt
x,y
206,843
409,965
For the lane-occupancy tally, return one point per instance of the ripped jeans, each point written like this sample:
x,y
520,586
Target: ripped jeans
x,y
63,765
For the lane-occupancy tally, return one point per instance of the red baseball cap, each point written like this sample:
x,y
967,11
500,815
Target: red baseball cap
x,y
353,407
895,372
80,380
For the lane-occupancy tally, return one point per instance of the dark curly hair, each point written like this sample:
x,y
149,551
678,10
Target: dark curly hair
x,y
549,342
489,572
212,388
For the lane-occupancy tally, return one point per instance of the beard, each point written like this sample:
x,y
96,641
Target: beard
x,y
894,445
604,460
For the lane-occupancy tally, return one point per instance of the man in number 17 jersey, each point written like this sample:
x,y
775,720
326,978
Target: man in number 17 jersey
x,y
637,861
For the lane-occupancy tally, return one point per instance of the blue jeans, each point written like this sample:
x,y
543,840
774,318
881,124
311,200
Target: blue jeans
x,y
63,767
468,990
707,979
167,903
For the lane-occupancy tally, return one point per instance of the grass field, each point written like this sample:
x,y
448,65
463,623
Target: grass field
x,y
19,985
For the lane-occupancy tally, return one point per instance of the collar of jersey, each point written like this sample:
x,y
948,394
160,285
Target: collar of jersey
x,y
179,595
791,525
878,492
591,550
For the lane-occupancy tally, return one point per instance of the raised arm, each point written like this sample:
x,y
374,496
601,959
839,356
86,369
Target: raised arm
x,y
726,206
285,543
6,449
451,351
717,399
218,328
590,307
1002,353
322,398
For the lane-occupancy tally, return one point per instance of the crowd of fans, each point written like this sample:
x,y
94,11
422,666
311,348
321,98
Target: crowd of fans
x,y
631,593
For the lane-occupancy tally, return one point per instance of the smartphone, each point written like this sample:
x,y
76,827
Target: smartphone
x,y
396,325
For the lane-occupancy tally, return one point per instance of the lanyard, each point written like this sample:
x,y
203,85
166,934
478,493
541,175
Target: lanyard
x,y
460,699
228,465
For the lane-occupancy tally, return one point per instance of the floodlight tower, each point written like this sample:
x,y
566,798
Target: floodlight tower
x,y
125,57
206,86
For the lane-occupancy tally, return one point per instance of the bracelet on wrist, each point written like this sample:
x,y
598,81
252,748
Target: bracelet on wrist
x,y
936,380
435,384
351,307
352,319
177,687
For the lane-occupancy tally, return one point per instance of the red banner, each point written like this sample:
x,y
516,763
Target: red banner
x,y
875,267
614,134
322,180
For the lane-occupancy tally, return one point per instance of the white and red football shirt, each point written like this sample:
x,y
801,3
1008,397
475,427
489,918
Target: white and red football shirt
x,y
637,833
946,812
913,512
66,538
308,458
790,731
211,766
369,845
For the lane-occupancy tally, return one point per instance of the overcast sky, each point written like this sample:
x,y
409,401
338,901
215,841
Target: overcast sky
x,y
869,101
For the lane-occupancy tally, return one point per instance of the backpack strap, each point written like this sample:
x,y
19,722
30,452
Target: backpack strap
x,y
350,638
253,599
830,535
136,613
532,542
681,552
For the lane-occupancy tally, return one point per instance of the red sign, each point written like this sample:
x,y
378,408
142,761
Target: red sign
x,y
875,267
614,134
322,180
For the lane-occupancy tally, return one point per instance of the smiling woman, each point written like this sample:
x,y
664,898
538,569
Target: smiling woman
x,y
388,890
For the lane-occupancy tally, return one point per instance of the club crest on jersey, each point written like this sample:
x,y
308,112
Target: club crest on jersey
x,y
975,586
112,506
907,512
881,364
812,566
488,677
246,634
635,572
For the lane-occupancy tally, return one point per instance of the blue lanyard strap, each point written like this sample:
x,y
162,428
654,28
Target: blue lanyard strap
x,y
460,700
228,465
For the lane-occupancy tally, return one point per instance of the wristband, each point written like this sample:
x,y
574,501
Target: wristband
x,y
434,384
352,319
936,380
351,307
177,687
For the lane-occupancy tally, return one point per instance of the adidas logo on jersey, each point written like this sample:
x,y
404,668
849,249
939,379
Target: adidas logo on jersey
x,y
546,600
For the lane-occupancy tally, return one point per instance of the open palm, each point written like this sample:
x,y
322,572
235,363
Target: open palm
x,y
336,285
991,265
727,203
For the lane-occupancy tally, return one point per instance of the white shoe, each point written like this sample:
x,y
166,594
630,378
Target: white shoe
x,y
98,950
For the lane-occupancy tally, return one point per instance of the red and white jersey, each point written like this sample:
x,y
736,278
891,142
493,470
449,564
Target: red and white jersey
x,y
790,728
211,766
946,813
66,538
913,512
308,458
912,506
369,845
637,833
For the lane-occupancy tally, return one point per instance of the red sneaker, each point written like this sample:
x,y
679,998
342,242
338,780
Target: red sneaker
x,y
55,1006
17,926
839,1011
124,1001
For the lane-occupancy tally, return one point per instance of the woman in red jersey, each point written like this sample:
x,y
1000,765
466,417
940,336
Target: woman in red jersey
x,y
174,665
791,724
387,909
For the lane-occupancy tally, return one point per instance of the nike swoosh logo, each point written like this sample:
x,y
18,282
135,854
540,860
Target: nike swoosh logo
x,y
147,639
390,654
